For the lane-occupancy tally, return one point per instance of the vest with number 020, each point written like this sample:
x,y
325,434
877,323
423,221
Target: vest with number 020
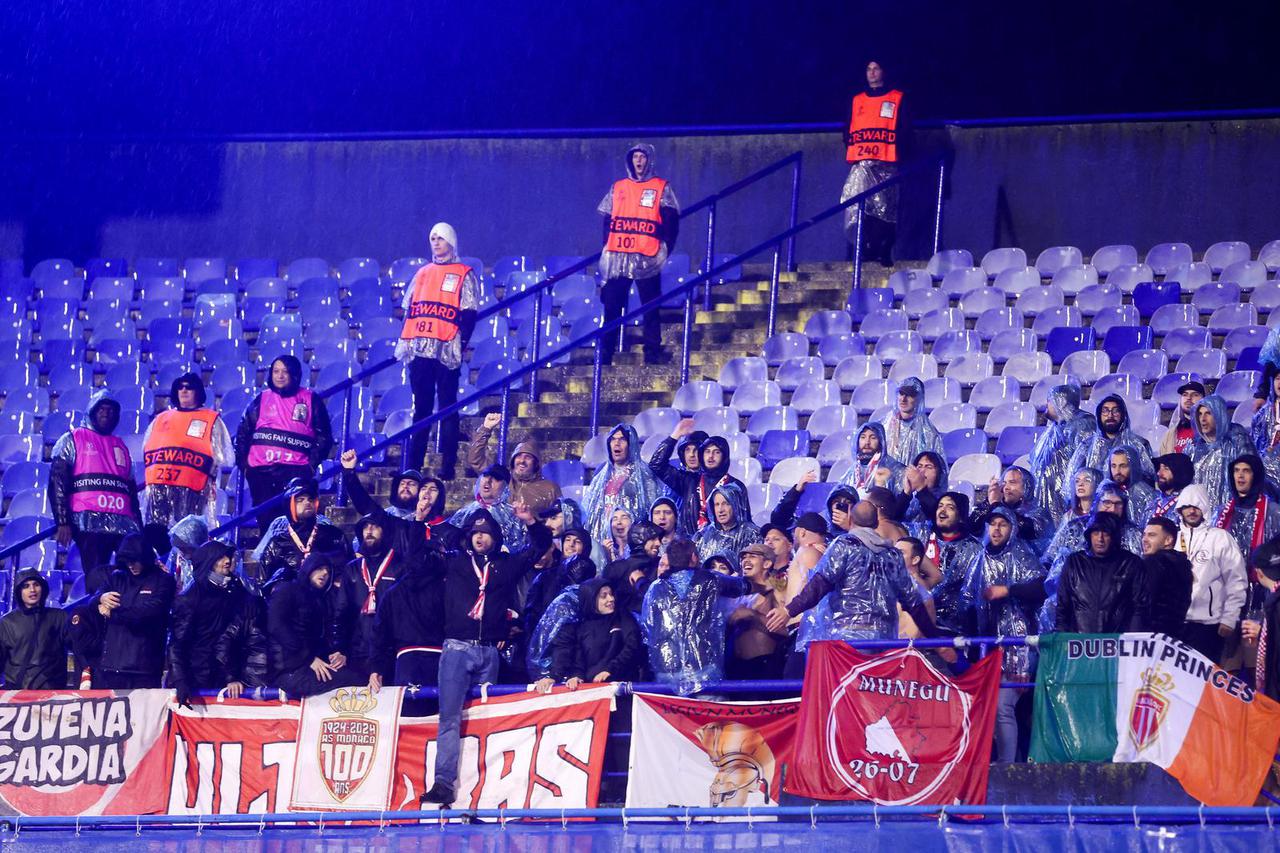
x,y
102,478
179,451
284,434
635,217
873,127
434,307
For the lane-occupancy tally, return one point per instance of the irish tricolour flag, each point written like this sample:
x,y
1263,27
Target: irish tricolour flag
x,y
1148,697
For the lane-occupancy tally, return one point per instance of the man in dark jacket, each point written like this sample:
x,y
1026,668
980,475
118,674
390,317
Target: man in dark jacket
x,y
1103,588
408,634
215,603
480,587
33,637
1169,576
304,647
575,566
293,537
425,530
1174,472
368,579
284,434
131,615
405,488
692,487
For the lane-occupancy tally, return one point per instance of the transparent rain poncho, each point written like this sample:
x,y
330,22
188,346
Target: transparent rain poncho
x,y
1051,454
862,475
1095,448
1013,563
683,618
869,581
713,539
629,485
515,536
907,439
1213,457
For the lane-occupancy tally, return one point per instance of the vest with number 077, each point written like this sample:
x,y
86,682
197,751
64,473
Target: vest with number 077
x,y
435,305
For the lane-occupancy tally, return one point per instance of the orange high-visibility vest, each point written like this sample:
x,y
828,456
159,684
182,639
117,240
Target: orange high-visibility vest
x,y
873,127
636,215
434,308
179,451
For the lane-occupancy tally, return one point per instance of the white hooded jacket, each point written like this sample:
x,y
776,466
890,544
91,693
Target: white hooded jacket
x,y
1220,585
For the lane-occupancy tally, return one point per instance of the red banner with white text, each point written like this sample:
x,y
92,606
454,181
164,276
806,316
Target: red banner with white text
x,y
894,729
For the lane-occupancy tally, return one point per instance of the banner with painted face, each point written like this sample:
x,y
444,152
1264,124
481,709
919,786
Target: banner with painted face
x,y
95,752
687,752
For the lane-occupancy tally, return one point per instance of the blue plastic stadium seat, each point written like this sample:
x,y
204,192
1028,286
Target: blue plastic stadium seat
x,y
905,281
831,419
994,321
961,280
815,394
1015,441
305,268
1098,297
1242,338
1010,342
779,444
1209,363
941,390
863,301
918,365
1108,258
953,345
1087,365
997,261
892,345
1238,386
1246,274
873,394
833,348
1056,316
1219,256
785,346
697,395
1248,359
946,260
994,391
1014,413
751,395
975,302
854,370
204,269
921,301
718,420
1148,365
1055,258
1214,295
738,371
1063,340
1151,295
826,323
971,368
1163,257
799,369
954,416
960,442
1232,317
937,323
1118,341
1028,368
772,417
1032,302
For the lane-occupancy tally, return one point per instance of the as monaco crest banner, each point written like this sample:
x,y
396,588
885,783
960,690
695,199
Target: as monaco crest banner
x,y
96,752
686,752
346,749
893,729
526,751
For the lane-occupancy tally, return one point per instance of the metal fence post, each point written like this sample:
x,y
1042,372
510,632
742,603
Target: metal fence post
x,y
346,440
686,337
857,246
937,211
773,290
502,427
711,255
795,212
537,347
596,369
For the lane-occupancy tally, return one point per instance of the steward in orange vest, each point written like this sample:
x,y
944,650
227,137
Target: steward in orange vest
x,y
182,452
874,146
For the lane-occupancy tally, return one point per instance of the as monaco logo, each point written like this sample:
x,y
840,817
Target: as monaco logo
x,y
348,742
1150,704
897,729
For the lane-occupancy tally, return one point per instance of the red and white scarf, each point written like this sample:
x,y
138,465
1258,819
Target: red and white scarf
x,y
305,549
1163,505
865,477
1259,520
703,494
477,610
370,605
933,548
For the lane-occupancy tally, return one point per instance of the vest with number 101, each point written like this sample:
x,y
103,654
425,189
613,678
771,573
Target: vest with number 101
x,y
435,305
636,216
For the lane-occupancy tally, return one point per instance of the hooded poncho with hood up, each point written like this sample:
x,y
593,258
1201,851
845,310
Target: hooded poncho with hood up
x,y
34,640
631,264
1252,519
618,572
863,580
133,639
683,617
954,553
1015,566
210,608
62,474
168,504
1103,595
691,488
596,642
532,489
862,475
1140,492
907,439
630,485
302,620
1212,458
727,540
1035,527
551,581
921,504
1095,449
1094,477
500,510
1051,454
185,537
1165,503
1264,429
321,444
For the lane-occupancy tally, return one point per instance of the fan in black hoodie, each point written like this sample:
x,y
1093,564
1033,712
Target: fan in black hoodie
x,y
425,530
693,488
1103,592
644,543
306,652
575,566
291,538
368,579
604,645
33,637
217,638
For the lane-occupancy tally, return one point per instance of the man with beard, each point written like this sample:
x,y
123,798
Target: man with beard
x,y
303,637
872,464
1174,472
131,616
1005,589
1015,490
1066,427
528,486
692,488
908,432
1169,577
730,528
926,482
34,637
479,589
91,488
1251,516
424,530
1182,431
295,536
367,580
215,603
492,494
886,522
953,549
284,434
1127,474
1103,588
1221,585
403,502
184,449
1113,431
574,567
686,443
1217,444
864,579
623,482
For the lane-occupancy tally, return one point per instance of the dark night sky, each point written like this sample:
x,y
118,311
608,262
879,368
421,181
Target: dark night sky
x,y
228,66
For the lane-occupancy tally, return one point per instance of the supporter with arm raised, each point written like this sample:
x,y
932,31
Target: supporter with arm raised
x,y
528,486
